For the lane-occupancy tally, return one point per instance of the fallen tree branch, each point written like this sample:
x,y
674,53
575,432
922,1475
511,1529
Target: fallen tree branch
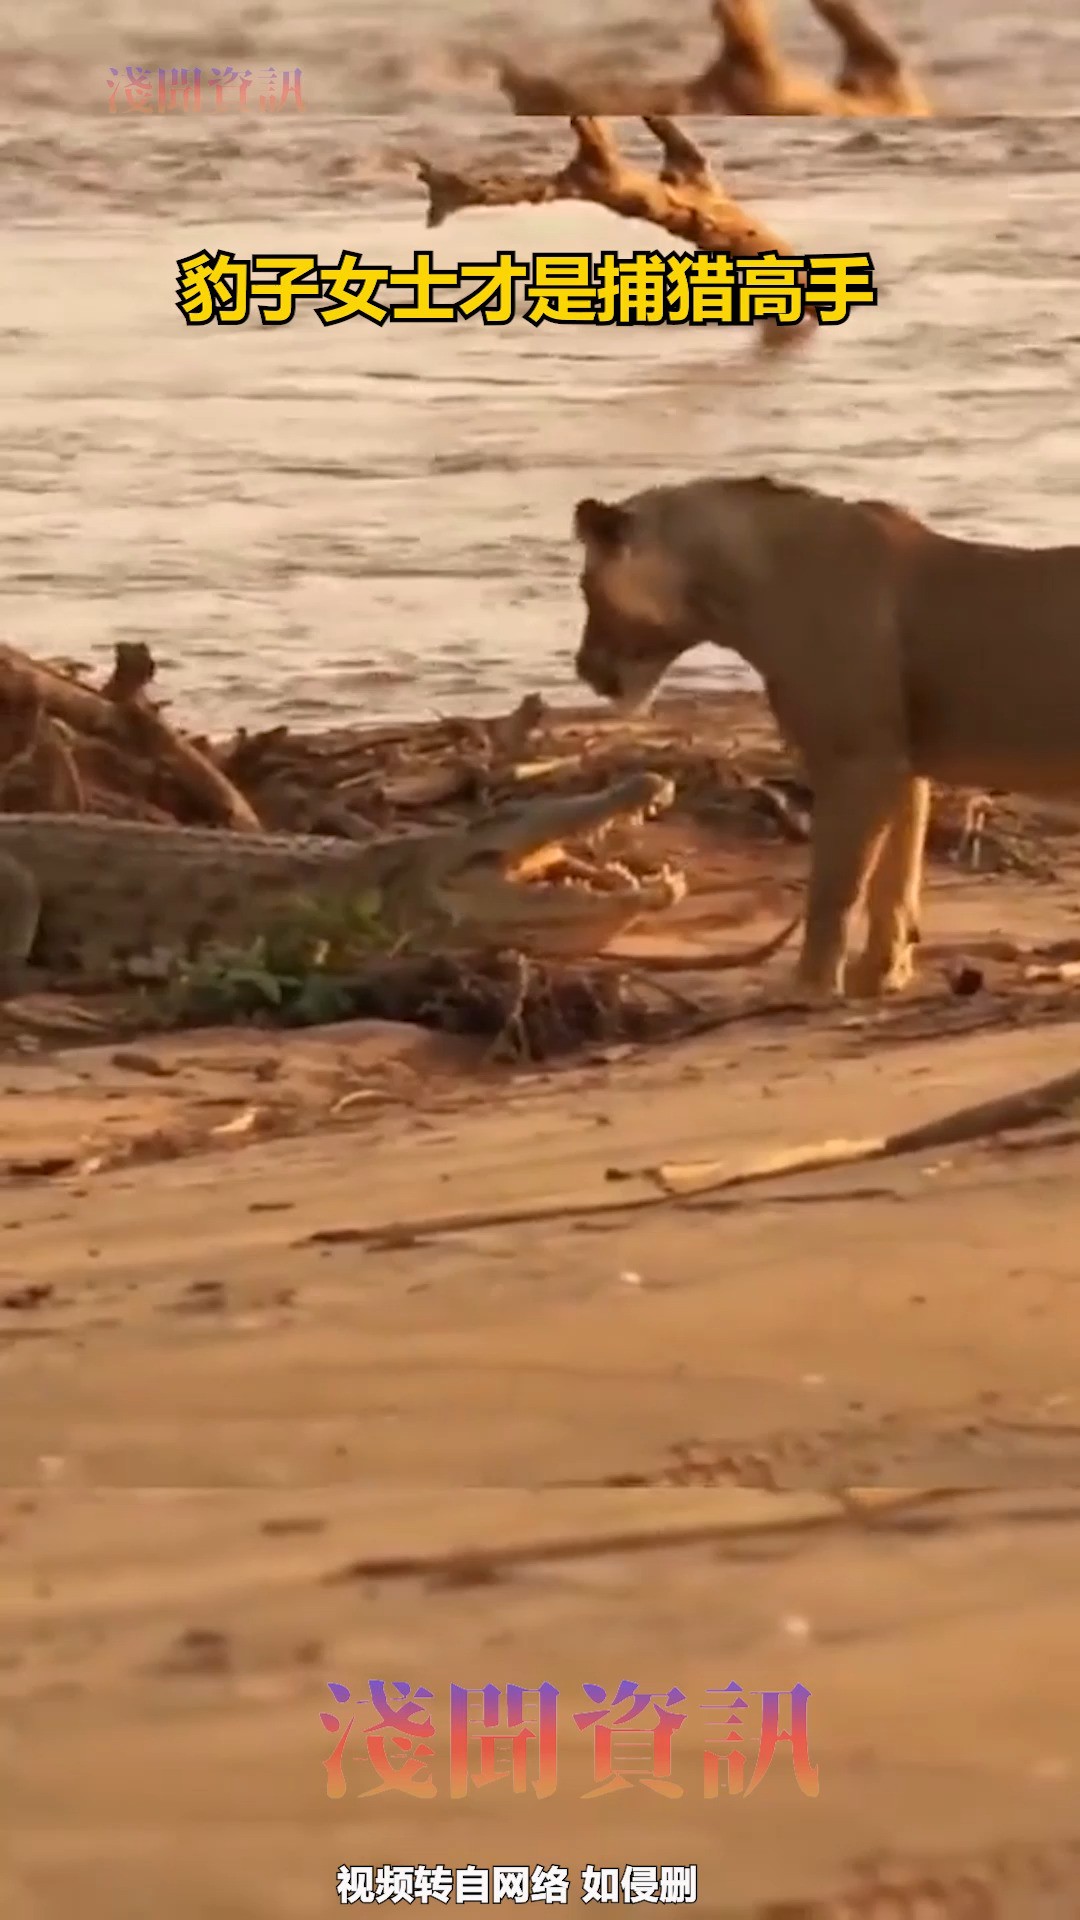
x,y
684,199
120,716
749,75
1026,1107
34,748
859,1506
685,1183
873,79
69,700
207,786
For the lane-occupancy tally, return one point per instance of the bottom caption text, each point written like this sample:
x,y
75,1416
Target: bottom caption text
x,y
515,1886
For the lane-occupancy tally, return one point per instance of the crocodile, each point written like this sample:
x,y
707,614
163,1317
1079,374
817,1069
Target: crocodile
x,y
88,895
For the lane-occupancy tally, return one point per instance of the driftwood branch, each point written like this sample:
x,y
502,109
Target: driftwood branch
x,y
684,197
35,748
212,792
37,704
749,75
78,705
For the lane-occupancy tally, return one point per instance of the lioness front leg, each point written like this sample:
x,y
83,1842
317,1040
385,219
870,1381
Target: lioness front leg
x,y
854,803
893,896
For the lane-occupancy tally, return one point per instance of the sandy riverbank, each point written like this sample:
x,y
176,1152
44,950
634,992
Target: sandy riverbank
x,y
242,1257
166,1657
278,1307
353,1300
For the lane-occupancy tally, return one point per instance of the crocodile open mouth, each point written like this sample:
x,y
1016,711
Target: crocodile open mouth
x,y
542,879
580,866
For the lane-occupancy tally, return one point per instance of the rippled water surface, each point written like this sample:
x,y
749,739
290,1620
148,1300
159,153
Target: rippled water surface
x,y
307,521
364,56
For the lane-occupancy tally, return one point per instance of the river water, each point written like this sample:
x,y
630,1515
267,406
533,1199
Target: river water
x,y
350,522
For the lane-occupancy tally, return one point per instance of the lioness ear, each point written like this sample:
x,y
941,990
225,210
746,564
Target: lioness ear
x,y
601,524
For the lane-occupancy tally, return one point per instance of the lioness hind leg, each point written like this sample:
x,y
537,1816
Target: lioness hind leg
x,y
854,802
893,899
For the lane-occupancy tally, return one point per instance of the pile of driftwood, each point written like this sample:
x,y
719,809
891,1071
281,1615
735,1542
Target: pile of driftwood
x,y
68,746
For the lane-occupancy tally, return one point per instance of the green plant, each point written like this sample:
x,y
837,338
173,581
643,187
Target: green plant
x,y
298,972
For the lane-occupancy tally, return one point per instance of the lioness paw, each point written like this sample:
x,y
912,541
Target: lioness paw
x,y
870,976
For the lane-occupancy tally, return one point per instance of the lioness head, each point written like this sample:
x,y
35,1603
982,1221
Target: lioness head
x,y
637,618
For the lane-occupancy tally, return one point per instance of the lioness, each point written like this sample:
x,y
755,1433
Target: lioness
x,y
891,654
